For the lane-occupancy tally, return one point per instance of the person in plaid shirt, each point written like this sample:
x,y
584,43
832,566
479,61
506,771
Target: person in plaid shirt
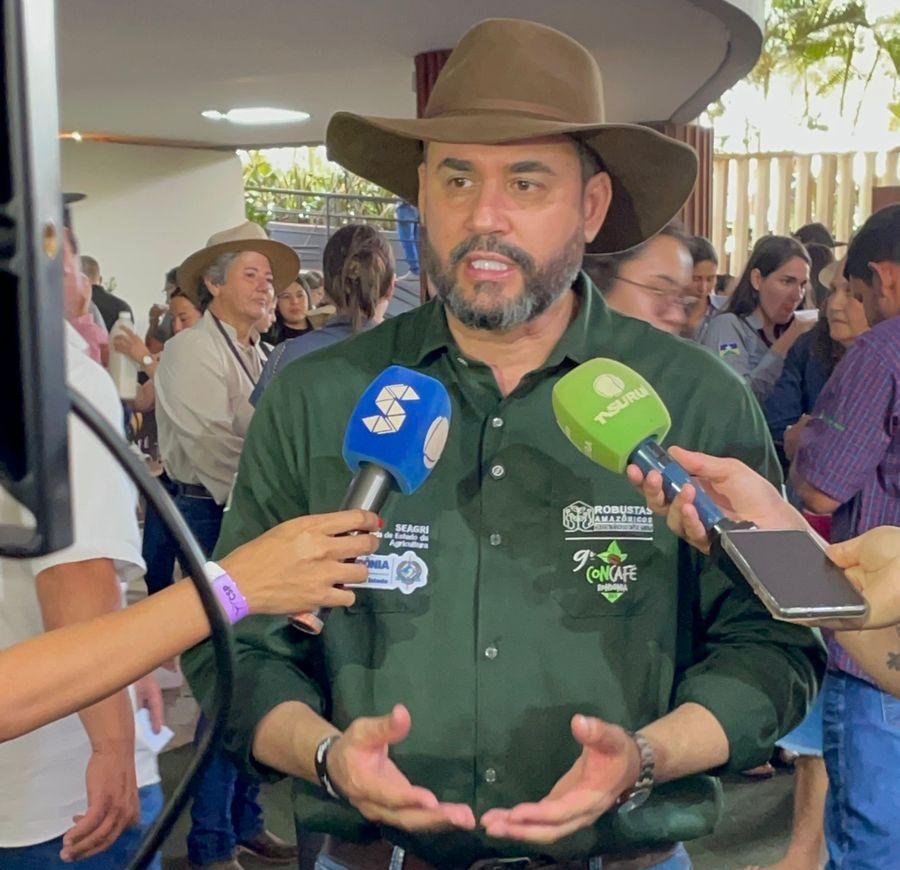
x,y
848,465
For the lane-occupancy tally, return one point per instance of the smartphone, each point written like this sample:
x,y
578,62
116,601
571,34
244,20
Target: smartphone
x,y
790,573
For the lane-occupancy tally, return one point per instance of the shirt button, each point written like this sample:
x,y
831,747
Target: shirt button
x,y
496,540
491,652
497,422
497,471
490,776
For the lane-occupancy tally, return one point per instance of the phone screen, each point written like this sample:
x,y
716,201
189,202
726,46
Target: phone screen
x,y
792,575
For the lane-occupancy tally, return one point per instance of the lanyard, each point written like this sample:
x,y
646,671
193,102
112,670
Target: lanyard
x,y
234,350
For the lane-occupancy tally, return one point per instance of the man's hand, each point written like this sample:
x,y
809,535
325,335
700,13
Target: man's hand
x,y
609,764
739,491
793,434
148,694
872,563
112,803
361,770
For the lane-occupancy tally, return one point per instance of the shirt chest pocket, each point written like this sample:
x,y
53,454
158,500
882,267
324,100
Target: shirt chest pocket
x,y
613,557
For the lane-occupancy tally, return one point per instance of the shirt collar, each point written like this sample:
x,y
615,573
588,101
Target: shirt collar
x,y
578,342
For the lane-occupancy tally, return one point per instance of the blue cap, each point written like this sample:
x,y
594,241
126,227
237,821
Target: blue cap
x,y
400,424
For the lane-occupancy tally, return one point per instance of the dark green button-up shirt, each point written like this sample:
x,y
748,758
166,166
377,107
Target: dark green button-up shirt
x,y
521,584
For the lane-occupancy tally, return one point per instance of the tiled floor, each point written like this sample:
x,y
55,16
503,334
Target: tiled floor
x,y
754,829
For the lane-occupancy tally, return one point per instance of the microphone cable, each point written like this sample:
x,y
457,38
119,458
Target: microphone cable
x,y
222,635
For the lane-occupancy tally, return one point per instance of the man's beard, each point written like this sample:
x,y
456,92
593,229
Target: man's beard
x,y
541,287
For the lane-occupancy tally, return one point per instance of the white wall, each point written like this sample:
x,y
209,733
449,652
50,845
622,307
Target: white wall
x,y
147,208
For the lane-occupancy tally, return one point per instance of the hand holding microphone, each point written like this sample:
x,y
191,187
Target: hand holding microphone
x,y
615,418
394,438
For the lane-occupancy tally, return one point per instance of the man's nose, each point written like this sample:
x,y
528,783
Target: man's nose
x,y
489,211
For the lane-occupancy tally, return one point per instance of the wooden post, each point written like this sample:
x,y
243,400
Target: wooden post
x,y
802,199
741,215
720,201
761,208
785,165
825,190
843,223
865,187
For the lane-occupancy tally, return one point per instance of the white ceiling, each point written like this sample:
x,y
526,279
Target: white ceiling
x,y
147,69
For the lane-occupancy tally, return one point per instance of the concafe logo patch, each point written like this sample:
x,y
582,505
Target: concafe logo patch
x,y
608,571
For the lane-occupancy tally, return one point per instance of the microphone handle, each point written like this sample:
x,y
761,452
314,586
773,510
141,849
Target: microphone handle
x,y
368,490
650,455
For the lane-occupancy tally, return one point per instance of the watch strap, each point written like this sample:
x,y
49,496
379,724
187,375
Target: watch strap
x,y
321,763
640,791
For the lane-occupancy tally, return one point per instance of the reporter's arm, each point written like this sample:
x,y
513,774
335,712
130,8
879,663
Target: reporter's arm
x,y
877,652
64,670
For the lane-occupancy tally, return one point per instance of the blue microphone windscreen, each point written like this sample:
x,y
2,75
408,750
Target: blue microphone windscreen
x,y
400,423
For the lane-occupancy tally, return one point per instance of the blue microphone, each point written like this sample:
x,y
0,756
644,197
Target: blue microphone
x,y
394,438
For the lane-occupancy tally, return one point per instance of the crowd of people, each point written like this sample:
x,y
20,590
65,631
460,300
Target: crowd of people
x,y
543,247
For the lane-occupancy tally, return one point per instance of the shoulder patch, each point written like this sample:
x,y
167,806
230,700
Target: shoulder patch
x,y
729,348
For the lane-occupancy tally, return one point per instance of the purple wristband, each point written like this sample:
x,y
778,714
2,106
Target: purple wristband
x,y
226,591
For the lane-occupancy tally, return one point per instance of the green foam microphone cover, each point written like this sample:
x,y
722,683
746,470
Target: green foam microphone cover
x,y
606,409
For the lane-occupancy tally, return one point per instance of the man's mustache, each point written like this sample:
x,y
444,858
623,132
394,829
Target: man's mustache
x,y
492,245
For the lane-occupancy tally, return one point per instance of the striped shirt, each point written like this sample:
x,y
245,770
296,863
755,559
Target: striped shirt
x,y
850,449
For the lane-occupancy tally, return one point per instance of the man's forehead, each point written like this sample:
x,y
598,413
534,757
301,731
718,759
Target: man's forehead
x,y
253,258
543,147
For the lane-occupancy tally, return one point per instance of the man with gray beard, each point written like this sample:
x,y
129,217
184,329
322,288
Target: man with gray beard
x,y
510,708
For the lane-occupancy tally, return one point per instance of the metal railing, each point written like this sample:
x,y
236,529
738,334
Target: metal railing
x,y
315,208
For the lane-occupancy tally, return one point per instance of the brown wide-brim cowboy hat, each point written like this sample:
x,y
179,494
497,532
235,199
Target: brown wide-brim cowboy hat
x,y
510,80
248,236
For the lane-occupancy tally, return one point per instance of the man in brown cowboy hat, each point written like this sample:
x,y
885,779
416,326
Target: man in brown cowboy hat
x,y
203,385
561,653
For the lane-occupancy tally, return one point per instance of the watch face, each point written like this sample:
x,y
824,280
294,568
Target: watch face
x,y
637,799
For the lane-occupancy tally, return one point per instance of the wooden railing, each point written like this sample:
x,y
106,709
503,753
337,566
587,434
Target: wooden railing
x,y
755,194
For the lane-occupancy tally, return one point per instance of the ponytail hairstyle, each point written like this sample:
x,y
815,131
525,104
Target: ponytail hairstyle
x,y
768,254
359,271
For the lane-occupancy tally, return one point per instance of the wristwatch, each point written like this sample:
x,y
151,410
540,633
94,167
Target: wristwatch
x,y
640,791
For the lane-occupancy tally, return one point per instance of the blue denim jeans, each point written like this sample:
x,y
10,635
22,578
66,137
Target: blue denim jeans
x,y
158,546
679,861
806,738
45,856
862,756
225,810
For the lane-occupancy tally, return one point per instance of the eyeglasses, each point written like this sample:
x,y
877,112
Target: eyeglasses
x,y
682,296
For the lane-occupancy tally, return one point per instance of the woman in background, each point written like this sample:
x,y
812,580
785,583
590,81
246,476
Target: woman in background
x,y
759,326
359,277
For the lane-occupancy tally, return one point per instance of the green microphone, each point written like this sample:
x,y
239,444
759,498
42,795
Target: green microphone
x,y
615,418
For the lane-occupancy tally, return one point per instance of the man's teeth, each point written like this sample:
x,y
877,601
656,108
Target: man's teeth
x,y
490,265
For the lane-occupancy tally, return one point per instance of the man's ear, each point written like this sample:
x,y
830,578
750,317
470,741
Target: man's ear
x,y
212,288
595,204
420,200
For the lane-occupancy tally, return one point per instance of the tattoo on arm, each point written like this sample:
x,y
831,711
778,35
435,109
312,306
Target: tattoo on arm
x,y
893,661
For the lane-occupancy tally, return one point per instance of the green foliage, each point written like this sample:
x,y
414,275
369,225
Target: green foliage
x,y
819,42
313,174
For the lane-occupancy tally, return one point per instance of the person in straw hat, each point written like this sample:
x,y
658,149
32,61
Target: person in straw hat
x,y
203,386
558,656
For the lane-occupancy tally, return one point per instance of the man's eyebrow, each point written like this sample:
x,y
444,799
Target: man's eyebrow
x,y
455,164
526,166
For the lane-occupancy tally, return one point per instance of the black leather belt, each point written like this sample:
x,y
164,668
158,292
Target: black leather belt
x,y
192,490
